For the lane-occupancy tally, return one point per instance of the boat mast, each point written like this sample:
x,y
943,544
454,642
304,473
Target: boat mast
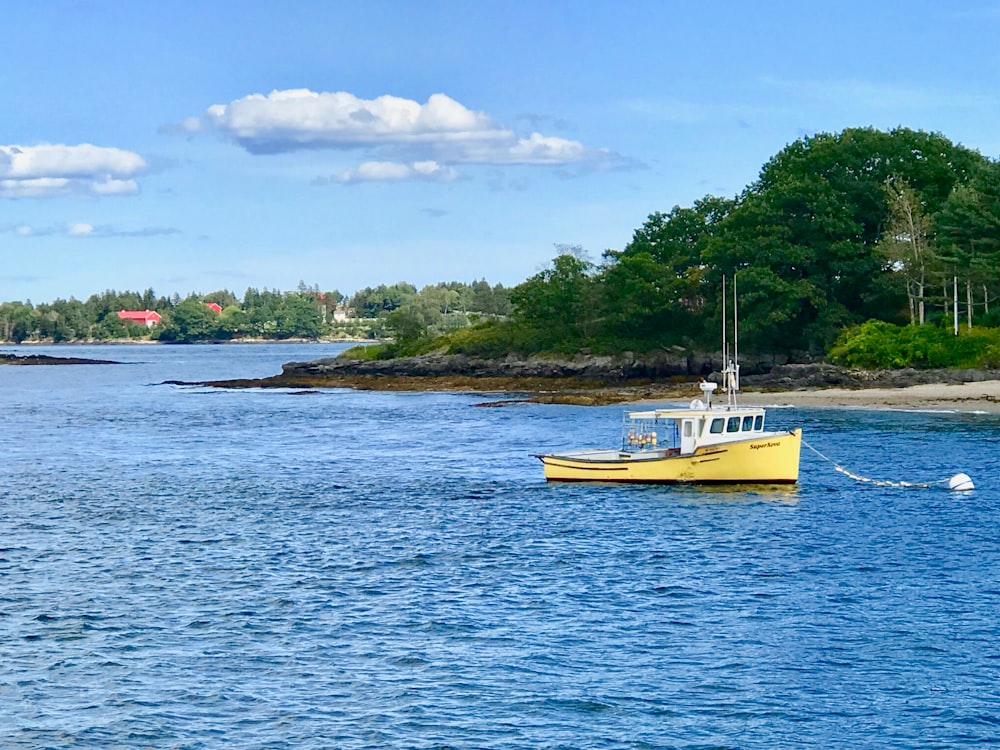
x,y
731,368
725,341
736,331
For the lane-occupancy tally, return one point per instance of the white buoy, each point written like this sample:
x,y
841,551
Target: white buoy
x,y
961,483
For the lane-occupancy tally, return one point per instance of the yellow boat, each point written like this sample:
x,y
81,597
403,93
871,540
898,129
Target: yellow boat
x,y
725,444
704,443
707,444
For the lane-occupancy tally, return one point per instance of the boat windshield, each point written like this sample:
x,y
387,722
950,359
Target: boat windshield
x,y
649,433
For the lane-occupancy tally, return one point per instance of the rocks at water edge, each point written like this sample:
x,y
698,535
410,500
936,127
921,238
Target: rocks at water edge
x,y
790,377
626,368
584,379
6,358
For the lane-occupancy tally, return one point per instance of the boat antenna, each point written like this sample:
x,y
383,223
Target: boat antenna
x,y
736,343
725,341
730,367
736,331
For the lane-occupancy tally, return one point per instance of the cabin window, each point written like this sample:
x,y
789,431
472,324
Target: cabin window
x,y
688,429
733,424
747,424
758,422
717,425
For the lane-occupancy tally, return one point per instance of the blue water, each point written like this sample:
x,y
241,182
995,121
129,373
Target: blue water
x,y
190,568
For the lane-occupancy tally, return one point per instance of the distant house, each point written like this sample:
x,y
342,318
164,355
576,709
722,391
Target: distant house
x,y
214,307
148,318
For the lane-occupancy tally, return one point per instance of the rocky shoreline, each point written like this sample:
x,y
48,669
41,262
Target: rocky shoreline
x,y
586,379
44,359
793,377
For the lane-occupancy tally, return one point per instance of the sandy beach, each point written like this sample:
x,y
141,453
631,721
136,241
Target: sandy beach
x,y
983,396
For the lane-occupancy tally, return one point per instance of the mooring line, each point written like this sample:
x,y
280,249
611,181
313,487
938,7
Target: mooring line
x,y
876,482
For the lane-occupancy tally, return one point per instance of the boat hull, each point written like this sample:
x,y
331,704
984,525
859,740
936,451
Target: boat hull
x,y
770,459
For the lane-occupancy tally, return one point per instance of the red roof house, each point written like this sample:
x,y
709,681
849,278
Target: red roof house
x,y
148,318
214,307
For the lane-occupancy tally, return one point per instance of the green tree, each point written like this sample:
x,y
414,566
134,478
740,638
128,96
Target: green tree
x,y
489,300
651,292
223,298
556,307
298,317
446,298
16,321
968,226
414,319
148,301
191,321
263,308
907,245
815,216
110,326
369,302
234,321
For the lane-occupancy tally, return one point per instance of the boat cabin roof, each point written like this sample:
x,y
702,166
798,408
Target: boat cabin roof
x,y
695,411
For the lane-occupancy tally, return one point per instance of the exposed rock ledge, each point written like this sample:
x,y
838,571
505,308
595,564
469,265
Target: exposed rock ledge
x,y
44,359
798,376
584,379
621,368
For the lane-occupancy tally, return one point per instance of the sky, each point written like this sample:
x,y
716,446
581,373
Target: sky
x,y
190,147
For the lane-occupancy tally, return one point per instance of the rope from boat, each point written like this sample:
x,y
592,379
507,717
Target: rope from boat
x,y
876,482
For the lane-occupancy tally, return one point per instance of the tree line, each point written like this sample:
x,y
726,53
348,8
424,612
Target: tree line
x,y
838,229
306,313
401,312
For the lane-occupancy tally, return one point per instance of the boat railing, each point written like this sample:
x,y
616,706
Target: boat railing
x,y
648,433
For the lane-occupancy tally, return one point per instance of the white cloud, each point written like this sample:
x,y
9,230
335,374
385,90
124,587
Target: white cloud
x,y
300,118
84,229
111,186
383,171
51,169
401,134
536,149
38,188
